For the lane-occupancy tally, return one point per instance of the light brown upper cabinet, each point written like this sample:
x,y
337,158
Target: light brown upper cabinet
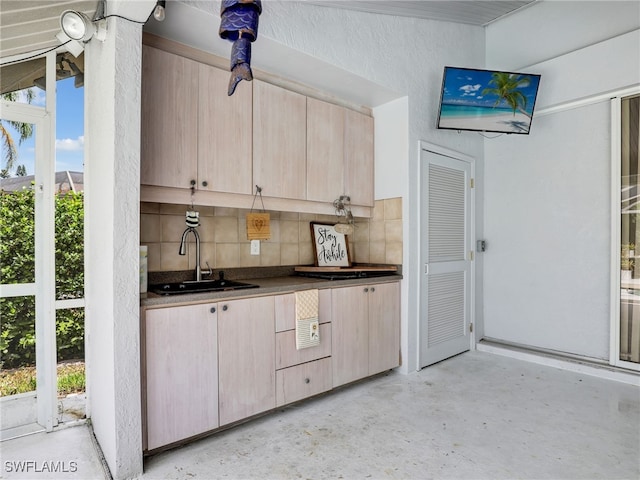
x,y
279,141
303,152
224,133
169,119
191,128
339,153
325,151
358,158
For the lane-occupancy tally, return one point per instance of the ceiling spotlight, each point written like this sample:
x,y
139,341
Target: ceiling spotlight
x,y
77,29
158,12
77,26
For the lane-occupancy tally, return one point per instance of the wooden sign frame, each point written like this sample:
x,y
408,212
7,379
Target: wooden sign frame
x,y
330,248
258,226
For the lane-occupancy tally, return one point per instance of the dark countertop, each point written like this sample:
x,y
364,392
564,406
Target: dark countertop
x,y
266,286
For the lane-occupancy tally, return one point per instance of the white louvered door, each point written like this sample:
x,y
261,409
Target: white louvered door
x,y
445,290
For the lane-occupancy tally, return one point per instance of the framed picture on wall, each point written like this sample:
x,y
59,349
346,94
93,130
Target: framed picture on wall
x,y
330,248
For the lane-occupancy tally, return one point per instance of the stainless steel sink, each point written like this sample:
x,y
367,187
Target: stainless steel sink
x,y
198,287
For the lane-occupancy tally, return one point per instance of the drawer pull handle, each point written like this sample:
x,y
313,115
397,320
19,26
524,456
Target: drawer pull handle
x,y
373,289
307,380
225,308
213,310
366,290
204,184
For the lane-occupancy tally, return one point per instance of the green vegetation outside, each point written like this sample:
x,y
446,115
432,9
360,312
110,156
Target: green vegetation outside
x,y
17,265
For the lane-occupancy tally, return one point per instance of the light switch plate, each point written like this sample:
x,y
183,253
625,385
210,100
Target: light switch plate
x,y
255,247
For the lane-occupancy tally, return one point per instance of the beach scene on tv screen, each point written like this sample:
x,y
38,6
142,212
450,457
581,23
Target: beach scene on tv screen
x,y
487,101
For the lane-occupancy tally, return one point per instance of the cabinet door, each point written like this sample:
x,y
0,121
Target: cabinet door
x,y
246,356
169,119
349,334
358,158
224,133
325,151
384,327
279,141
181,373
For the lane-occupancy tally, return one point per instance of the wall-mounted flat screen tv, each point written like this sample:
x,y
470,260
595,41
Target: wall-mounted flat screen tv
x,y
487,100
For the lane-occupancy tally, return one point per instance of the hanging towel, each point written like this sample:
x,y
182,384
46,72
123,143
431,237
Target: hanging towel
x,y
307,325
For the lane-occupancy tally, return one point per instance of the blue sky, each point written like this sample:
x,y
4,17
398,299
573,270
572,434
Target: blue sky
x,y
463,86
69,130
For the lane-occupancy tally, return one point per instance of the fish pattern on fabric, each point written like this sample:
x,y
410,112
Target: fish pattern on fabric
x,y
239,24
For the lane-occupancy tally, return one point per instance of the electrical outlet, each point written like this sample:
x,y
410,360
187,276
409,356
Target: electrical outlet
x,y
255,247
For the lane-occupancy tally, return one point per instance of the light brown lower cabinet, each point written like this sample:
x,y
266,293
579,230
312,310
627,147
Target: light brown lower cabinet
x,y
181,355
213,364
365,331
350,339
246,358
384,327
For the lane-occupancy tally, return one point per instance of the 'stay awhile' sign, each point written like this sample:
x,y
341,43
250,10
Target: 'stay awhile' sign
x,y
330,247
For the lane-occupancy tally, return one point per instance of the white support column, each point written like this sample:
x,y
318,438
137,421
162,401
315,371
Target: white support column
x,y
46,351
112,186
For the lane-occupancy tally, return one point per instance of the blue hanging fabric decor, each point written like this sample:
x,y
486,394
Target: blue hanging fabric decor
x,y
239,24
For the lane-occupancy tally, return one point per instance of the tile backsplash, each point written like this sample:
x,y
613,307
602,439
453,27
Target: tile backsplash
x,y
224,244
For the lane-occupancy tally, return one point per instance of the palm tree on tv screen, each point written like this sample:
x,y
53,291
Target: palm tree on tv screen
x,y
506,87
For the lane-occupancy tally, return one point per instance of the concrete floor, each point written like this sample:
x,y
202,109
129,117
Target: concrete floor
x,y
67,453
475,416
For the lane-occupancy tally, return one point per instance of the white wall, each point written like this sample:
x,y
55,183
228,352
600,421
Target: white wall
x,y
391,148
112,185
406,56
550,28
547,203
400,55
547,195
393,64
391,181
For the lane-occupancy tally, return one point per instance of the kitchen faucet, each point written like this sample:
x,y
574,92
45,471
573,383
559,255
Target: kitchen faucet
x,y
183,251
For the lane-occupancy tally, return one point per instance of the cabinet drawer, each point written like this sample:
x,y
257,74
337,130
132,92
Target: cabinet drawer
x,y
302,381
287,355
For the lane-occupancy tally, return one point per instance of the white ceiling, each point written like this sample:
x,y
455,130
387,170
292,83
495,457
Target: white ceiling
x,y
189,22
471,12
29,25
